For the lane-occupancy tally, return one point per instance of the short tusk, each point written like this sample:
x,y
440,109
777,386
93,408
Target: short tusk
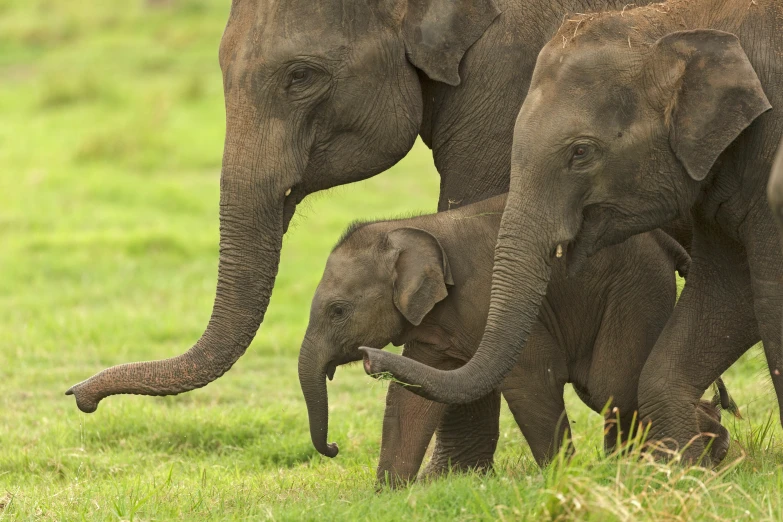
x,y
288,192
559,251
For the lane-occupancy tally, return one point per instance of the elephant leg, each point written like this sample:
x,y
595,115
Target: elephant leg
x,y
623,427
408,425
467,437
768,313
534,393
619,428
709,422
711,326
637,309
767,273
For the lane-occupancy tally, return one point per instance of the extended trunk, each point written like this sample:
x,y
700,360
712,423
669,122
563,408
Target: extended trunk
x,y
312,378
251,233
530,231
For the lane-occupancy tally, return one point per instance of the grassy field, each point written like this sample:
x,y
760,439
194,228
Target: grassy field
x,y
111,129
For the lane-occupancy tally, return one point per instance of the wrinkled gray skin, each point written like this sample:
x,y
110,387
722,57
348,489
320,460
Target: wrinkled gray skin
x,y
319,94
633,118
424,282
775,189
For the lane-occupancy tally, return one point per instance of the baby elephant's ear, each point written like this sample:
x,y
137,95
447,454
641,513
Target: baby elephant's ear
x,y
714,94
421,272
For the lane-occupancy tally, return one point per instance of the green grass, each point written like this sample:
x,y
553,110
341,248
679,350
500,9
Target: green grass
x,y
111,127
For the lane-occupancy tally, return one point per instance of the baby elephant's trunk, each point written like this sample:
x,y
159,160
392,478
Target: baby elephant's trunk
x,y
312,378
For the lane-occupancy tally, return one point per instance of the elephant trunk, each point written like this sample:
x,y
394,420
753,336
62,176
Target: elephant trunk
x,y
532,233
312,378
253,218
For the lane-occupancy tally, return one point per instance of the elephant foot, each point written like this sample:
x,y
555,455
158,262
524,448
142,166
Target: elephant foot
x,y
719,439
707,447
438,467
392,481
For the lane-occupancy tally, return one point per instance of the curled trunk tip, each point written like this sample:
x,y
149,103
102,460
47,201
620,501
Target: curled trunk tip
x,y
84,401
312,378
331,450
249,258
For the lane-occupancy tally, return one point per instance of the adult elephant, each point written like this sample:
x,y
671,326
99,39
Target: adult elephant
x,y
632,118
319,94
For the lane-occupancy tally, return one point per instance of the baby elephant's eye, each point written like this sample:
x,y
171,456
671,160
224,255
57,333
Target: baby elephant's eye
x,y
579,151
338,312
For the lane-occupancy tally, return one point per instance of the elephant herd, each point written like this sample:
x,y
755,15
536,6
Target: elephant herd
x,y
632,141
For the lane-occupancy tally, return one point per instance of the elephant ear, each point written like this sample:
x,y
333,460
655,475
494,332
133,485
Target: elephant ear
x,y
437,34
716,95
421,272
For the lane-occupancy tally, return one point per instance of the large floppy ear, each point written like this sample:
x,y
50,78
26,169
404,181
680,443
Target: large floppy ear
x,y
716,94
437,33
421,272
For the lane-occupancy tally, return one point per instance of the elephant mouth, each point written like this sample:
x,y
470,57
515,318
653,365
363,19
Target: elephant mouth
x,y
573,253
293,197
331,366
590,236
570,251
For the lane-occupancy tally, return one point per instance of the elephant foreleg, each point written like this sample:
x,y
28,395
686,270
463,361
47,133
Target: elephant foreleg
x,y
408,425
467,437
534,393
767,273
711,326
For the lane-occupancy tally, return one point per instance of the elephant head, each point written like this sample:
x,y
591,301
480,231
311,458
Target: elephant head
x,y
377,287
317,94
618,134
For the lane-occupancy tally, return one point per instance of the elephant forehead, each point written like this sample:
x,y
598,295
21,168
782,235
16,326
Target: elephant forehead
x,y
263,28
349,272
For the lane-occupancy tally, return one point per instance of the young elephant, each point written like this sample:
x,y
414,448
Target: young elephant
x,y
425,282
634,117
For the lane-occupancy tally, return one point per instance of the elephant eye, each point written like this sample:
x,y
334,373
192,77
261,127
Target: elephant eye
x,y
581,151
338,312
300,76
582,155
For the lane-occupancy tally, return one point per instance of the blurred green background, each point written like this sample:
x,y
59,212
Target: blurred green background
x,y
111,132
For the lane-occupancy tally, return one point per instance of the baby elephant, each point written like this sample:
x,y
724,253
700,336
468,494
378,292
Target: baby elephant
x,y
425,282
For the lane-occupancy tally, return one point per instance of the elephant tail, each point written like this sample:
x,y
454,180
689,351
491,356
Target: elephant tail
x,y
725,400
